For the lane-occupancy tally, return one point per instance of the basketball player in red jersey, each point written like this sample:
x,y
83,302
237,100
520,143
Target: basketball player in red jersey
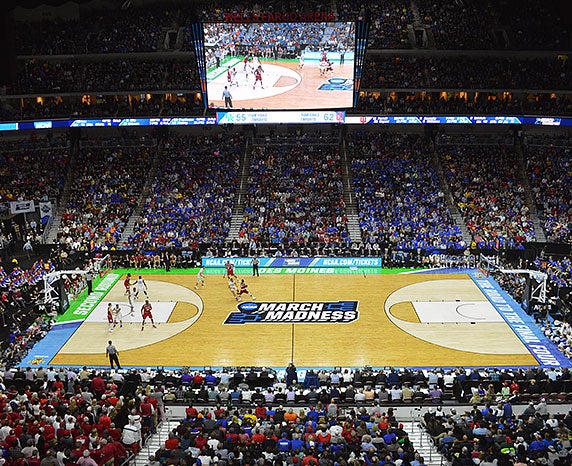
x,y
146,313
127,284
258,77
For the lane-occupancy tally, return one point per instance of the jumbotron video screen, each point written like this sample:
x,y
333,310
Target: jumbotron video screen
x,y
304,65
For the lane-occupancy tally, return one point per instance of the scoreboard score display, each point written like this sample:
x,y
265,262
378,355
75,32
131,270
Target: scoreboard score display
x,y
310,117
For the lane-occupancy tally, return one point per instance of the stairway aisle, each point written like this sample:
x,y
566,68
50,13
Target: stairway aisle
x,y
136,215
52,234
353,224
238,207
528,195
154,442
451,204
423,444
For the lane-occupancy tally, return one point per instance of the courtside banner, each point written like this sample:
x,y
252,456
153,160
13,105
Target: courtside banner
x,y
294,261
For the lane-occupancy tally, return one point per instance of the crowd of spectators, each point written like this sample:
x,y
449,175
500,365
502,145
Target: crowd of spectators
x,y
68,415
458,25
465,72
191,257
501,138
38,76
251,386
433,387
502,25
288,416
308,175
134,29
554,315
22,336
550,177
294,197
388,21
559,305
278,436
253,414
106,188
559,271
157,259
23,317
273,41
19,294
497,216
188,104
493,434
105,106
66,107
73,414
526,26
245,246
481,103
295,194
398,194
141,28
560,333
207,13
192,193
513,284
33,168
489,194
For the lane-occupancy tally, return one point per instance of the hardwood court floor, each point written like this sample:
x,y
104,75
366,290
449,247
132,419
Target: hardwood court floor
x,y
303,96
404,320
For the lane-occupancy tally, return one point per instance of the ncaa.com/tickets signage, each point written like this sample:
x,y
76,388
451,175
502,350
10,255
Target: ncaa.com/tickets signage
x,y
294,261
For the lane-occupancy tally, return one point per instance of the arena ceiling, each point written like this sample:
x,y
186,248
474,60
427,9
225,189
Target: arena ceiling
x,y
111,4
7,5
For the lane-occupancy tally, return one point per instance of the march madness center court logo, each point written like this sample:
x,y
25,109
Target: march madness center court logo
x,y
336,312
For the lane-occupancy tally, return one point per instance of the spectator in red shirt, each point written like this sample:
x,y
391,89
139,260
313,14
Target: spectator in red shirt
x,y
324,437
198,380
200,441
104,420
119,452
260,412
191,412
57,384
310,459
258,437
146,410
98,386
78,449
114,432
105,453
112,399
172,442
234,438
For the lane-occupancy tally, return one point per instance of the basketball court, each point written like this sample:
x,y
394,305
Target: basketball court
x,y
317,320
286,85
